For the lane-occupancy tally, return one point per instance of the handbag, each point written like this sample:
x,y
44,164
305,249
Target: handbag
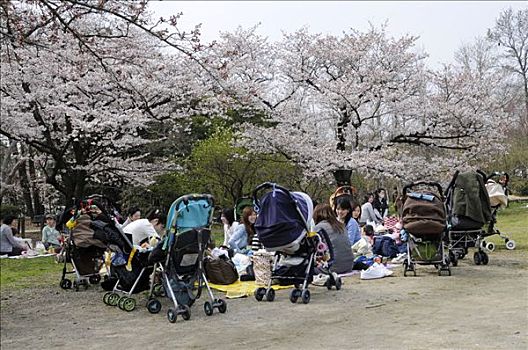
x,y
220,270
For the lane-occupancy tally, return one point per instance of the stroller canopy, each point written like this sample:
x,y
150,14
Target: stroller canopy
x,y
469,198
190,212
283,219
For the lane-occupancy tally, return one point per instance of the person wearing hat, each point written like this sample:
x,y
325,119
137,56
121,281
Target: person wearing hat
x,y
50,236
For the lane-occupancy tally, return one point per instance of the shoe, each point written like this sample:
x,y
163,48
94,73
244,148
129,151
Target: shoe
x,y
320,279
375,271
400,258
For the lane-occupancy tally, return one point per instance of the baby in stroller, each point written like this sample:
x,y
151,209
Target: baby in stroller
x,y
283,227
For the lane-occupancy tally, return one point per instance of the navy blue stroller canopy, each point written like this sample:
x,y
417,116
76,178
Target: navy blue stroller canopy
x,y
283,217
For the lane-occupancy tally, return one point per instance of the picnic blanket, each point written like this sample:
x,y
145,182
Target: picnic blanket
x,y
25,256
241,289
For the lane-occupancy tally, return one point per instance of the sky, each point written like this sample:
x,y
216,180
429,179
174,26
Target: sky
x,y
443,26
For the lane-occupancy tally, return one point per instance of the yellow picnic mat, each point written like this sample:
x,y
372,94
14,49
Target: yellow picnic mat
x,y
241,289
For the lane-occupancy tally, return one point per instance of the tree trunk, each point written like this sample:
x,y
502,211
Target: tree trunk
x,y
37,202
26,192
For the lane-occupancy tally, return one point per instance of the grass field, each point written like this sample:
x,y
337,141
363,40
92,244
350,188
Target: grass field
x,y
24,273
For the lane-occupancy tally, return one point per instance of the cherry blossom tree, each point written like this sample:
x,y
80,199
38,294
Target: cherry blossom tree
x,y
362,100
85,86
511,35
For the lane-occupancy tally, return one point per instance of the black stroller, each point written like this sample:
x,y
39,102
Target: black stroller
x,y
471,216
425,226
283,226
180,258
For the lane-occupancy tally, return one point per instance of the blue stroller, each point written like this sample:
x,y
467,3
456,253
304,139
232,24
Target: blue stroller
x,y
283,227
180,258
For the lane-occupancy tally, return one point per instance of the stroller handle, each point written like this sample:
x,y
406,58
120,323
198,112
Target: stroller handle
x,y
426,183
208,197
264,186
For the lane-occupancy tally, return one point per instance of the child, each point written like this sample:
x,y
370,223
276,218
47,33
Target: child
x,y
50,236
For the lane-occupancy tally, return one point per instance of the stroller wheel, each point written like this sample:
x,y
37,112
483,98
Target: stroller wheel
x,y
294,295
477,258
185,311
129,304
338,283
106,296
121,302
113,299
153,306
270,294
305,296
95,279
222,306
208,308
453,258
171,315
484,258
510,244
65,283
259,293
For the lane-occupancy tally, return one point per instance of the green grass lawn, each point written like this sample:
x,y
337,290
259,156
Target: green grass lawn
x,y
24,273
513,221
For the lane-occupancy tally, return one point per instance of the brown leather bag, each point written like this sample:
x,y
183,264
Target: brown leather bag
x,y
220,270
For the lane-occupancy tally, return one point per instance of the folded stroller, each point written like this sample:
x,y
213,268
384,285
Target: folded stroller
x,y
283,227
473,200
424,227
180,258
86,241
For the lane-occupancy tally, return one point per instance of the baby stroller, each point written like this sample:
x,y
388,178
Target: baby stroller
x,y
283,226
84,244
128,276
180,257
471,214
424,227
348,191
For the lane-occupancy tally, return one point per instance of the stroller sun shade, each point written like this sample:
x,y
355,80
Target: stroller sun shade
x,y
187,214
279,225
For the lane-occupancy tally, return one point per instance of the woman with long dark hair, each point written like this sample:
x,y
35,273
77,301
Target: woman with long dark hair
x,y
344,215
243,234
325,219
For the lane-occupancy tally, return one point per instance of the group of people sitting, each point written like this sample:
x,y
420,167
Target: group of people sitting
x,y
350,227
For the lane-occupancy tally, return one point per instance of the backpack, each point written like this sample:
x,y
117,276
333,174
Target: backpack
x,y
385,246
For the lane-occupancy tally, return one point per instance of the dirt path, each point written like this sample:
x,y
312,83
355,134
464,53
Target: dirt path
x,y
479,307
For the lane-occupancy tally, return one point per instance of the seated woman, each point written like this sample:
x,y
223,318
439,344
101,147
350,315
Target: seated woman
x,y
368,214
344,215
8,244
145,231
243,234
50,236
325,219
228,219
